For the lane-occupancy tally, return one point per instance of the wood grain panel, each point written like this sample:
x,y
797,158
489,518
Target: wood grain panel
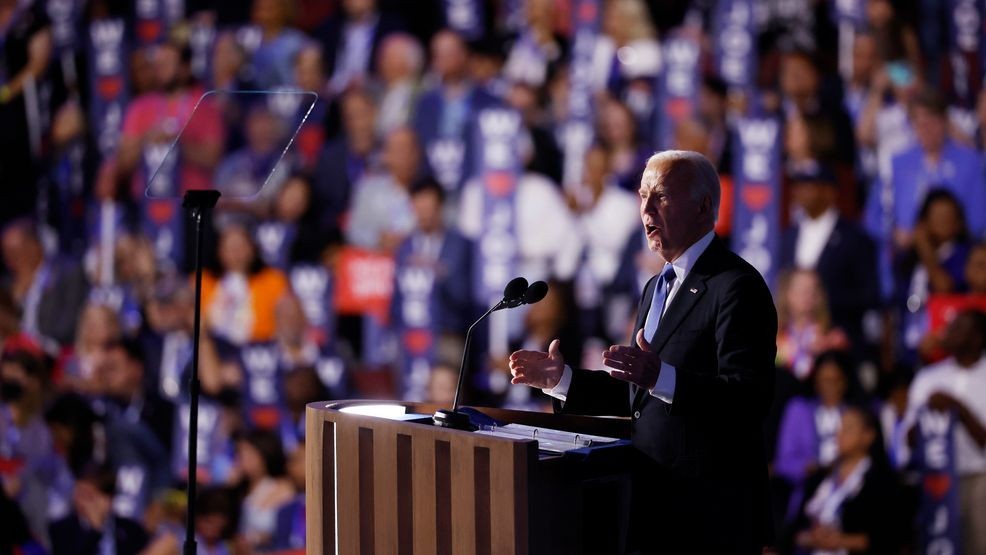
x,y
315,530
502,500
347,463
385,489
463,496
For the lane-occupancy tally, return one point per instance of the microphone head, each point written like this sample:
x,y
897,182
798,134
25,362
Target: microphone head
x,y
515,290
535,292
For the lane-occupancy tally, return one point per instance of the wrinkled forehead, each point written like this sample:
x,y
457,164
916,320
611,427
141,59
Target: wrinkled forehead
x,y
662,174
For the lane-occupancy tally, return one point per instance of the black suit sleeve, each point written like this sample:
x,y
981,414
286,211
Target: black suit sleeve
x,y
595,394
745,334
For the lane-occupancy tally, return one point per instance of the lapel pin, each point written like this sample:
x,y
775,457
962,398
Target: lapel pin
x,y
693,290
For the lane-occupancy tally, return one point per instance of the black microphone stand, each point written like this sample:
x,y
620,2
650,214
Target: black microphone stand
x,y
199,204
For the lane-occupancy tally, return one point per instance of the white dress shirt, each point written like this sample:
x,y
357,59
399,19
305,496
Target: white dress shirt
x,y
813,234
665,386
967,385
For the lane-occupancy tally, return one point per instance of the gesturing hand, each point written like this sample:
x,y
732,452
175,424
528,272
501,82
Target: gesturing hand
x,y
537,369
638,365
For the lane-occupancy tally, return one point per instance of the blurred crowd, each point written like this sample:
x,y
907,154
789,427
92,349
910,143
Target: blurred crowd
x,y
352,265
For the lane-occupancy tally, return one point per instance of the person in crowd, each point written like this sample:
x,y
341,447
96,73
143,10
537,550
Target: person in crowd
x,y
301,386
692,134
73,427
895,38
546,158
975,269
153,120
98,327
228,66
280,43
442,382
617,132
883,125
216,518
606,215
261,464
345,160
400,62
351,41
24,439
848,511
92,528
936,261
537,49
27,53
808,433
166,337
239,297
625,25
309,75
381,215
865,62
291,235
836,249
290,531
50,292
958,384
712,114
444,114
805,329
936,161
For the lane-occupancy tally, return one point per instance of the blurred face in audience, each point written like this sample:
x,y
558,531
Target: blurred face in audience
x,y
270,13
616,125
799,78
864,58
358,117
301,386
814,197
359,8
540,13
395,60
427,210
830,384
98,326
236,252
689,134
251,461
854,437
975,270
120,375
595,168
21,252
289,320
803,295
400,155
929,128
441,385
293,200
227,59
167,67
879,12
296,468
449,55
944,221
263,130
308,72
962,338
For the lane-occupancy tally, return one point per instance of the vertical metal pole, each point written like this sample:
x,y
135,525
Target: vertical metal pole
x,y
193,391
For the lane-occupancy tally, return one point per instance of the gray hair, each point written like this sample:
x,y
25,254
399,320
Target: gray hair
x,y
414,54
706,182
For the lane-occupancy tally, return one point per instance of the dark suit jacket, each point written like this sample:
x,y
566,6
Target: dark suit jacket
x,y
69,537
452,291
701,478
848,271
332,34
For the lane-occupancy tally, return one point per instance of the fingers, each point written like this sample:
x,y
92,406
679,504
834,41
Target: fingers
x,y
642,341
528,355
554,350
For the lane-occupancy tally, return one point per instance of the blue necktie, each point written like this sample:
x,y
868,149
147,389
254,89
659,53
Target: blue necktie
x,y
664,284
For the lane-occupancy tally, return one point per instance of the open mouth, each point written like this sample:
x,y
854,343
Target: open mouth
x,y
650,229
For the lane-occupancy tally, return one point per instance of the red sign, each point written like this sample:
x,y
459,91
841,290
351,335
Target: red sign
x,y
364,283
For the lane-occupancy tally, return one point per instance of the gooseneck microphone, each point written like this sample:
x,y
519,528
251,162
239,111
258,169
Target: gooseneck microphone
x,y
516,293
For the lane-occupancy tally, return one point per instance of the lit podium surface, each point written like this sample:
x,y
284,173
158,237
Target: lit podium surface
x,y
390,483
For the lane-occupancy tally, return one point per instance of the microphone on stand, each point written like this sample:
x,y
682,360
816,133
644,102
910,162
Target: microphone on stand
x,y
516,293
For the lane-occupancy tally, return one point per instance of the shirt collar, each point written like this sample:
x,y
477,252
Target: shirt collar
x,y
684,263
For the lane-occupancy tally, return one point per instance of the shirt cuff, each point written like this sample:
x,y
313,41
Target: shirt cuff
x,y
560,391
666,380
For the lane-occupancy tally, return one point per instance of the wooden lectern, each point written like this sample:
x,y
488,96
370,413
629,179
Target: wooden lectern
x,y
379,485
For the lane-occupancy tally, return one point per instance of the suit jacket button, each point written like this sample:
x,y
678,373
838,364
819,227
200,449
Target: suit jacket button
x,y
636,415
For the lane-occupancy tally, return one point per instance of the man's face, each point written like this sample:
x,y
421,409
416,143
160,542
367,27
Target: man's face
x,y
448,54
20,252
929,128
961,336
813,197
400,155
798,77
672,218
427,210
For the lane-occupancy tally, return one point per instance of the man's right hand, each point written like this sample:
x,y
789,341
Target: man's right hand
x,y
538,369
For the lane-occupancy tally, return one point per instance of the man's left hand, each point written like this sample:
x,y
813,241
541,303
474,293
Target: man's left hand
x,y
638,365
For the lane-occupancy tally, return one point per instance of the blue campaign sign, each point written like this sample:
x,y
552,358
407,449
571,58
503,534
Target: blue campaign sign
x,y
965,25
579,129
756,217
209,445
65,17
161,216
312,284
677,85
414,311
736,44
262,373
465,17
938,516
108,88
274,239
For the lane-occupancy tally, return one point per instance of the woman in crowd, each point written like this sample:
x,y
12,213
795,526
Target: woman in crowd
x,y
850,510
238,301
262,468
804,327
810,425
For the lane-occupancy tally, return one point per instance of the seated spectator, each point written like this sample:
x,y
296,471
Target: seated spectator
x,y
804,327
444,115
24,438
291,234
261,465
92,528
442,383
625,24
617,133
381,215
537,50
239,297
351,40
400,61
98,327
49,292
958,384
279,44
216,516
290,531
848,511
837,249
809,428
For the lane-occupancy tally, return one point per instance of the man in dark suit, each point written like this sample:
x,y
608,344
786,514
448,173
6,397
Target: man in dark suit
x,y
696,380
838,250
